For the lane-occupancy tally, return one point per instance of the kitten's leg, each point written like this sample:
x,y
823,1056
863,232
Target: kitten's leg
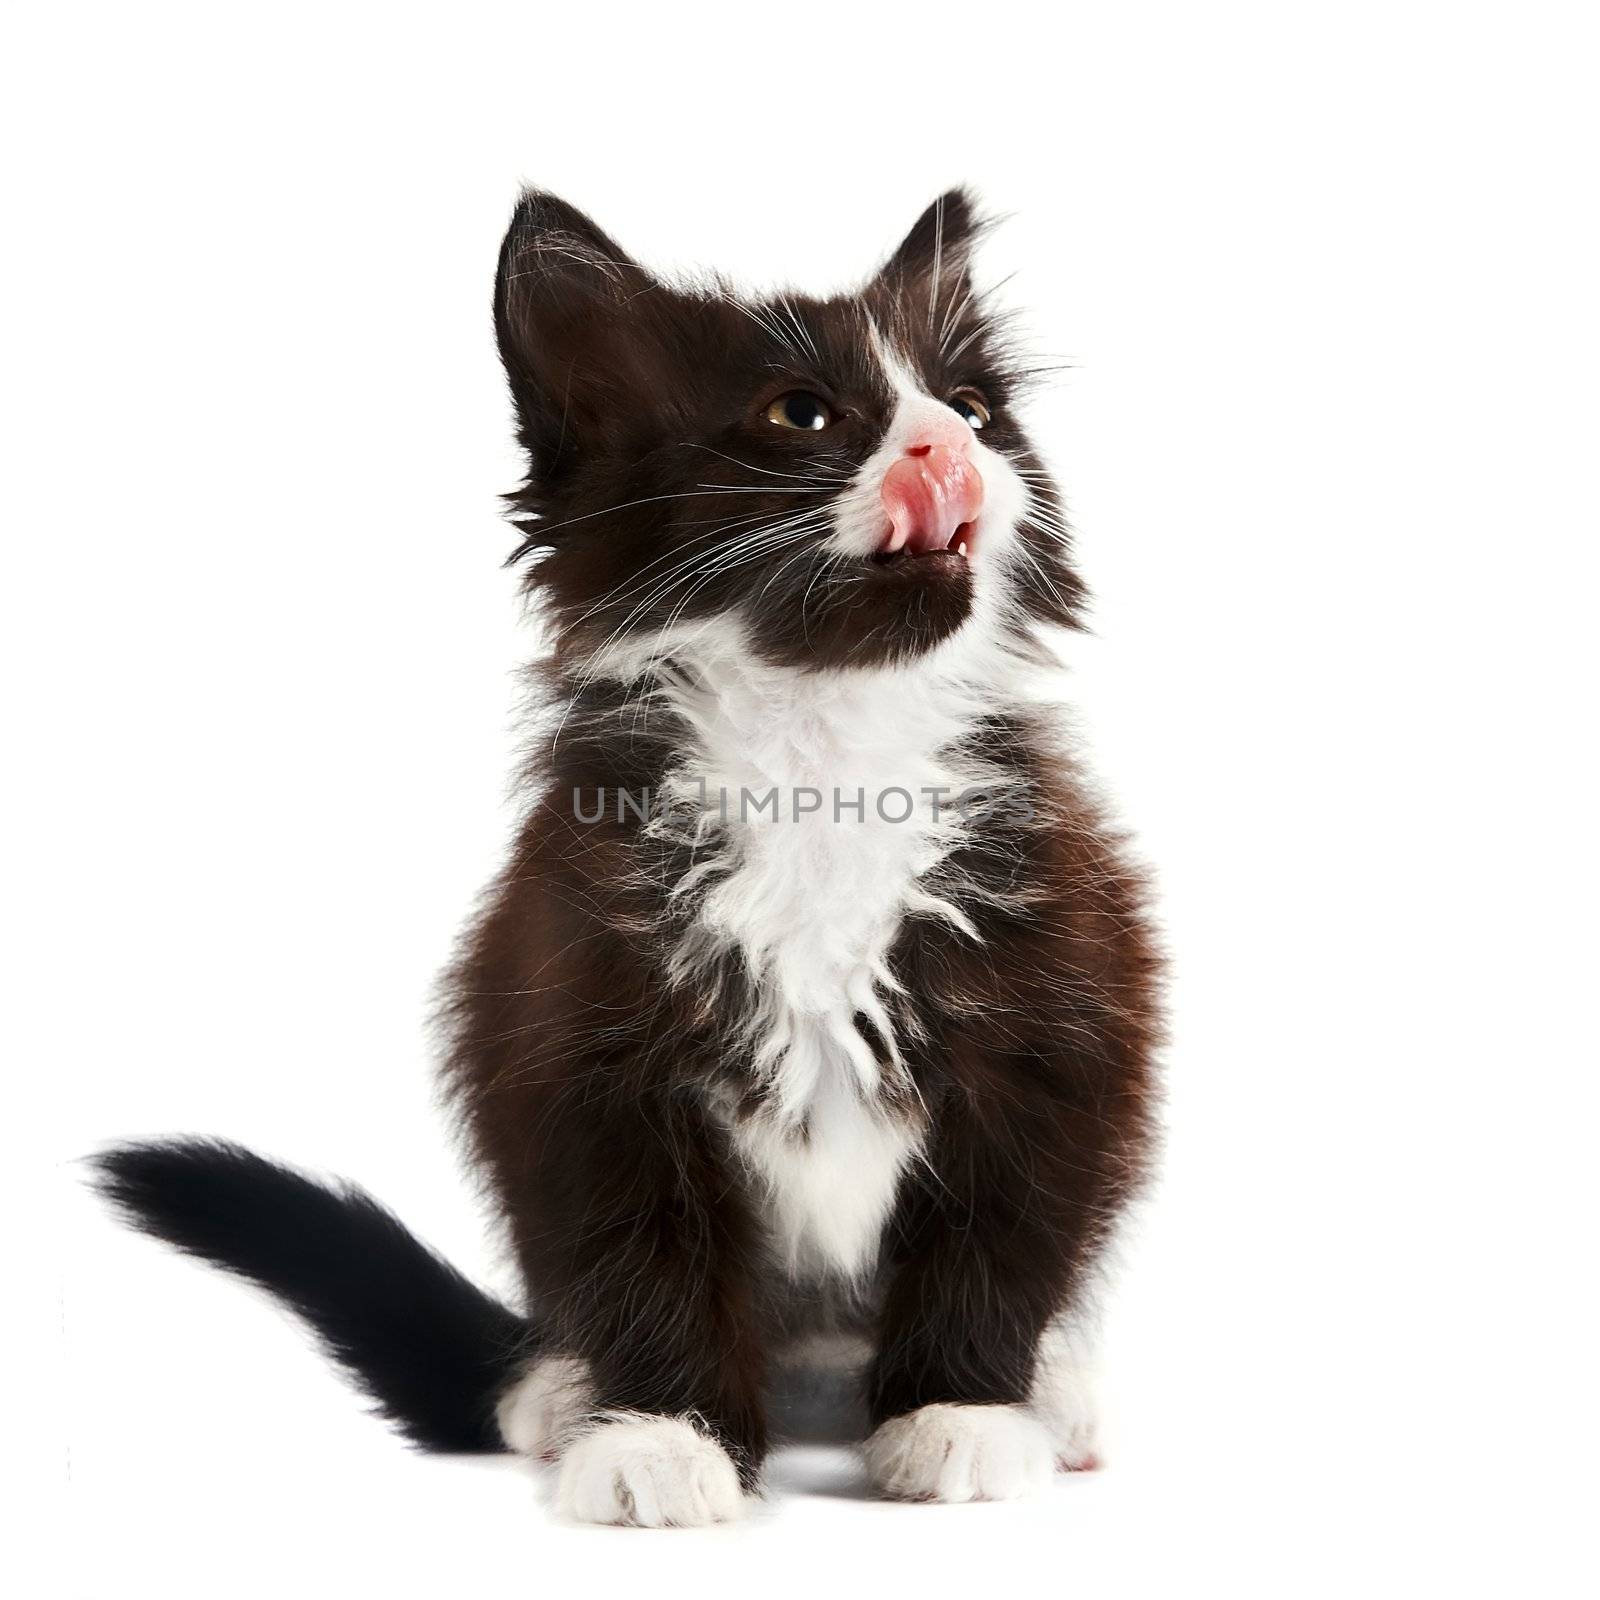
x,y
989,1245
644,1252
547,1407
1064,1396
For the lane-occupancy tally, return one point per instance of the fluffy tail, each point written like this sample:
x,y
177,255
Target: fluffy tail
x,y
428,1347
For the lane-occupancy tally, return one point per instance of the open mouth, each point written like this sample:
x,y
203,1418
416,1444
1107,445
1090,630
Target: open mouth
x,y
960,543
932,496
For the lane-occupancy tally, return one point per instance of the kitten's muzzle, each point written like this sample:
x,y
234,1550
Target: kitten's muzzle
x,y
932,496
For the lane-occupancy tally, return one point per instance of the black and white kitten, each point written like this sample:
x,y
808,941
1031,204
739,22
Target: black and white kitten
x,y
811,1021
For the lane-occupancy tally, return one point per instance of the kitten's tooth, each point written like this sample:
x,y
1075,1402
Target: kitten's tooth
x,y
961,548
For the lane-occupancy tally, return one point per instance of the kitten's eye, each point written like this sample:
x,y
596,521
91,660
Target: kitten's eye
x,y
799,410
971,405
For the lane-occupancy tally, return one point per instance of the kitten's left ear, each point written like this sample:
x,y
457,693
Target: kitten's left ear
x,y
937,253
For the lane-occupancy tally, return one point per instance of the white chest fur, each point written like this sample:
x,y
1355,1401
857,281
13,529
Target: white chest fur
x,y
811,900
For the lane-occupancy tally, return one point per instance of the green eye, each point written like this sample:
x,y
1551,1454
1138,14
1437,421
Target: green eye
x,y
799,410
970,405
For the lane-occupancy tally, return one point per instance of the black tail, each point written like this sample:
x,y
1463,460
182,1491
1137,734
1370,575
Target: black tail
x,y
431,1349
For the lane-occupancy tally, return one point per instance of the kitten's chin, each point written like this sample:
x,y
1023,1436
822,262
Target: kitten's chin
x,y
930,564
875,612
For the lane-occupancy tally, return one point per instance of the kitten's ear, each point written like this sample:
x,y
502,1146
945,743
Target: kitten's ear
x,y
564,315
937,253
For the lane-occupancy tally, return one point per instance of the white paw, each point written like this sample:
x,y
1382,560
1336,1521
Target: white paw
x,y
956,1453
1064,1399
546,1407
649,1472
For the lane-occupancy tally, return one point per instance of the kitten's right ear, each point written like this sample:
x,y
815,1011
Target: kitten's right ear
x,y
562,300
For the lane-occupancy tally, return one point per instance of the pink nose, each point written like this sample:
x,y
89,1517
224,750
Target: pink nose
x,y
932,495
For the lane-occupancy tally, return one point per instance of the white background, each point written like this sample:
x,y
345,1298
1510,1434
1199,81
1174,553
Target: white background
x,y
1328,278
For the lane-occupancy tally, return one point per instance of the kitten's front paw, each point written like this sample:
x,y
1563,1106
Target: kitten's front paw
x,y
955,1453
545,1407
649,1472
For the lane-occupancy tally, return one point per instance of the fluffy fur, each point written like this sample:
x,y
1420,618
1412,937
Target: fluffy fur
x,y
649,1472
864,1073
546,1408
952,1453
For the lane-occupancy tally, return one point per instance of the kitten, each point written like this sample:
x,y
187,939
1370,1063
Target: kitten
x,y
810,1024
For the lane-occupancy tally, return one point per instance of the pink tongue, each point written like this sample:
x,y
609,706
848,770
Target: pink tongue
x,y
927,497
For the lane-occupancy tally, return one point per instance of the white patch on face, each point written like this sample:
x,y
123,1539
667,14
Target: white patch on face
x,y
952,1454
649,1472
921,418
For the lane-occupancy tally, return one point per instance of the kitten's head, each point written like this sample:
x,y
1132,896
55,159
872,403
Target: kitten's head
x,y
845,478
